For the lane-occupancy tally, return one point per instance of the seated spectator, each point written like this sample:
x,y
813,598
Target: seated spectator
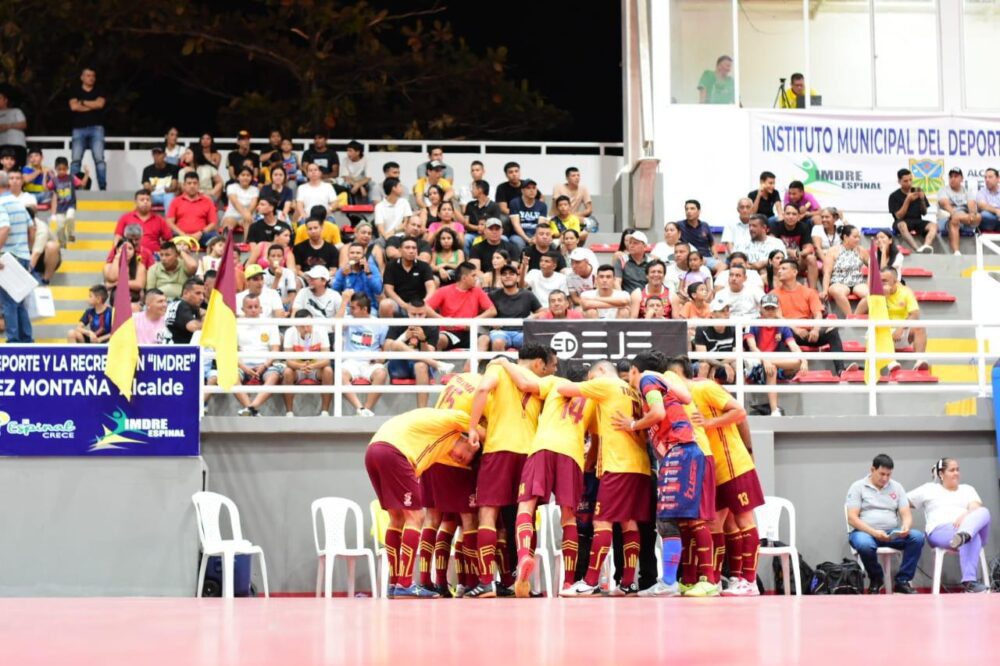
x,y
696,233
136,280
477,211
988,202
436,154
281,279
169,274
389,170
743,299
569,241
766,200
753,278
605,302
446,220
510,302
545,279
794,97
406,280
330,231
268,222
762,246
656,272
908,205
151,322
527,211
192,214
393,210
564,219
206,148
464,299
772,339
630,271
582,275
63,186
770,272
842,271
825,234
482,253
259,252
878,513
415,337
736,234
580,203
717,86
280,194
955,518
160,178
236,159
317,297
322,156
270,300
94,326
902,306
655,308
36,177
209,180
697,272
367,339
358,276
290,164
888,253
796,236
664,250
413,229
307,371
490,280
798,301
242,196
676,270
955,210
364,234
273,146
355,177
511,188
541,246
464,195
559,308
155,229
46,253
699,300
434,176
184,316
717,340
316,192
315,251
447,254
430,213
805,203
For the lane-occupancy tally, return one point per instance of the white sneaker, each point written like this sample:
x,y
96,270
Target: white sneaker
x,y
365,412
445,368
777,411
892,367
737,588
956,253
661,589
289,414
921,366
851,367
324,413
925,249
580,589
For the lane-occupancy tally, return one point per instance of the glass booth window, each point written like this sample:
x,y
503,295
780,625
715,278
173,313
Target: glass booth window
x,y
981,34
772,50
906,54
840,54
701,52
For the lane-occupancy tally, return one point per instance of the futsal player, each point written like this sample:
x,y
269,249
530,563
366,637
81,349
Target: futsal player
x,y
624,493
511,420
738,491
399,452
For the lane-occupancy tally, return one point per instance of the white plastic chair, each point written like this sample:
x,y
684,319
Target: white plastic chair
x,y
334,512
207,509
542,576
380,521
768,519
939,554
884,554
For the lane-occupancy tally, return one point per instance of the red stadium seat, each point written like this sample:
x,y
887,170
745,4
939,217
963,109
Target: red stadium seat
x,y
934,296
821,348
403,382
41,208
816,377
858,377
914,377
358,208
242,247
859,346
358,381
604,247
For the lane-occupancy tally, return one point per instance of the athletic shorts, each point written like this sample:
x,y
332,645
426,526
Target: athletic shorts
x,y
918,227
392,477
682,480
499,477
740,494
623,496
249,380
548,473
448,489
359,369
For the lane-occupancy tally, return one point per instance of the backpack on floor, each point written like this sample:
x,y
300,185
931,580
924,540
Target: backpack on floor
x,y
805,571
847,577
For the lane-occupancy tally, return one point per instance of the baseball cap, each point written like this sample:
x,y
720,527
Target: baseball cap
x,y
579,254
318,273
957,170
508,268
719,304
770,301
253,270
639,236
157,149
494,222
436,164
527,182
243,134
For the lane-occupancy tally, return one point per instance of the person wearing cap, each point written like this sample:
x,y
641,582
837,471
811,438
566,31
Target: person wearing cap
x,y
582,275
318,298
173,269
236,158
434,176
463,299
696,233
511,302
511,188
160,178
268,224
955,210
540,246
322,156
717,340
527,212
988,201
192,214
772,339
630,272
482,253
359,276
546,278
270,300
477,211
606,301
436,154
559,308
580,203
564,219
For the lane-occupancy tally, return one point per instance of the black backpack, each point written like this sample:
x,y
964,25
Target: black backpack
x,y
805,571
847,577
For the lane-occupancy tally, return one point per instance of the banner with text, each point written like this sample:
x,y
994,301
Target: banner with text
x,y
56,401
580,343
851,161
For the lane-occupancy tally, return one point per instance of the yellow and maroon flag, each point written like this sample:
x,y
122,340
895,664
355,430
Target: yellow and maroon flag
x,y
219,330
881,336
123,345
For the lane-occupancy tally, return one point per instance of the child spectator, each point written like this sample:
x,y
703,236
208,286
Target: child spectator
x,y
63,185
36,177
242,196
696,273
772,339
290,162
212,258
355,173
698,306
95,324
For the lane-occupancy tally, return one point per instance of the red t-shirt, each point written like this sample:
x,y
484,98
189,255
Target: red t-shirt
x,y
154,229
570,314
192,215
451,301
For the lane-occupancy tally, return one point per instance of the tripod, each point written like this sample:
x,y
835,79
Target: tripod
x,y
781,98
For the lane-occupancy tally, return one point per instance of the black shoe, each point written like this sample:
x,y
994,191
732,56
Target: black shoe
x,y
482,591
624,590
903,588
430,589
444,591
974,587
504,591
875,587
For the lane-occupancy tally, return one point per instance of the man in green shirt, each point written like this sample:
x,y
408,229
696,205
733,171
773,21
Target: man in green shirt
x,y
717,87
172,270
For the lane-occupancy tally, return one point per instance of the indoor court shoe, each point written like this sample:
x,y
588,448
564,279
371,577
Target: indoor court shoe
x,y
459,591
903,588
581,589
974,587
702,589
444,591
661,589
414,592
504,591
365,412
445,368
482,592
875,587
921,366
684,587
431,589
741,588
522,586
624,590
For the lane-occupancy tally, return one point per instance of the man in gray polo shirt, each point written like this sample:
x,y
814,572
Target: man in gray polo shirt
x,y
879,515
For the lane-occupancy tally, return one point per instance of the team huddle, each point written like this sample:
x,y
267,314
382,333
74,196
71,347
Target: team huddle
x,y
668,454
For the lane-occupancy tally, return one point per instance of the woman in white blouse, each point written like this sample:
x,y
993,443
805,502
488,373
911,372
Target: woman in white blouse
x,y
955,517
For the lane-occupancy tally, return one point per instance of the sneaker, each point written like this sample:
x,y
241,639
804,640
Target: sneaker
x,y
748,589
734,587
851,367
390,591
925,249
661,589
365,412
289,414
903,588
702,589
959,540
581,589
922,366
974,587
684,587
522,586
482,592
956,253
459,591
624,590
414,592
777,411
504,591
246,411
875,587
893,367
324,413
444,591
445,368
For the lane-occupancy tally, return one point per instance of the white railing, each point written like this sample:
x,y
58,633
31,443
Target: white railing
x,y
981,388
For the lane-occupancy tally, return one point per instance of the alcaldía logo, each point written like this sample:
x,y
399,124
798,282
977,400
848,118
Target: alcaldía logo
x,y
816,179
928,174
115,438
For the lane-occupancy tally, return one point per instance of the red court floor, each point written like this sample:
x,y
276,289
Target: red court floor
x,y
582,632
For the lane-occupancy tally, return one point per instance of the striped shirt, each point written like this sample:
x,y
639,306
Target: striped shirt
x,y
14,215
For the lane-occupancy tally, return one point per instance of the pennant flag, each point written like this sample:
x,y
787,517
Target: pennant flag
x,y
219,330
881,336
123,345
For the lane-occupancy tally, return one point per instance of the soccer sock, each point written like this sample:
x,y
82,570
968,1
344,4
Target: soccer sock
x,y
630,553
470,549
407,555
599,549
751,548
703,550
718,553
688,574
427,537
504,565
570,549
734,553
487,540
442,555
393,539
670,554
525,528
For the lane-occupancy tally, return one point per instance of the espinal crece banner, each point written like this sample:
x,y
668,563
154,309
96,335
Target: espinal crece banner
x,y
56,401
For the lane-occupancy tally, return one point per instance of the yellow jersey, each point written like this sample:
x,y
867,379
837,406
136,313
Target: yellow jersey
x,y
902,303
458,394
564,422
621,451
731,455
425,436
423,184
511,416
